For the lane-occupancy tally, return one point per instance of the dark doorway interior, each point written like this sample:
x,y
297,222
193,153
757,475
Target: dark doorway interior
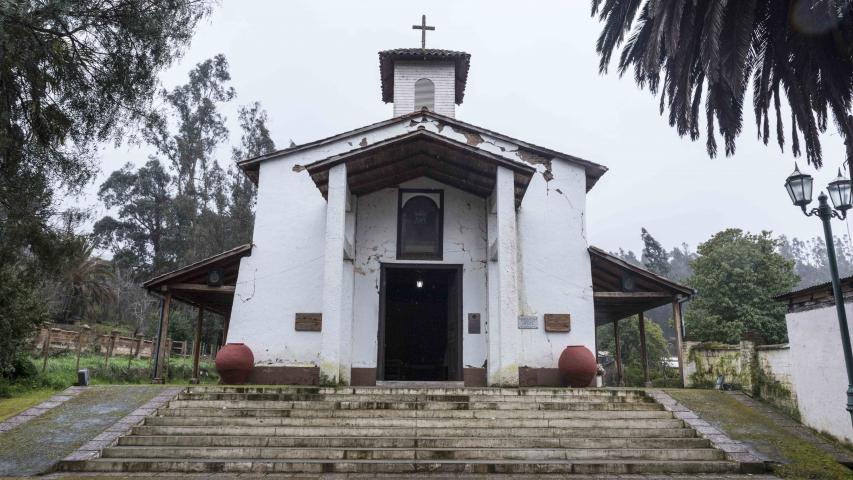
x,y
421,324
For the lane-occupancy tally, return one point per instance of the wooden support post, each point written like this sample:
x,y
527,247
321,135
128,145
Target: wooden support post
x,y
139,344
111,344
620,379
226,321
83,333
161,340
197,344
679,337
46,348
643,355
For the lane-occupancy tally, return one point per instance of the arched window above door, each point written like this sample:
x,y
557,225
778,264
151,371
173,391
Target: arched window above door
x,y
420,225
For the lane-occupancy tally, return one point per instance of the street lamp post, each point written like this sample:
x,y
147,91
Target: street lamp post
x,y
799,187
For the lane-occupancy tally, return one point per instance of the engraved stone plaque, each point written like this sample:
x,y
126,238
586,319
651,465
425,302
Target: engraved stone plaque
x,y
528,322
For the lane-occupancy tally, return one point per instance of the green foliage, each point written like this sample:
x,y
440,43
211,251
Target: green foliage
x,y
655,258
21,310
191,208
811,261
73,74
737,275
703,57
61,372
142,238
657,351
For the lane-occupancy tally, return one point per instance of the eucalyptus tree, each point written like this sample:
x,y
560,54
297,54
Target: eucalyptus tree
x,y
254,141
710,53
73,74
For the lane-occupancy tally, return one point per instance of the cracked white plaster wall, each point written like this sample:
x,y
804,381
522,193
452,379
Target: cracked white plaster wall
x,y
284,274
554,265
376,242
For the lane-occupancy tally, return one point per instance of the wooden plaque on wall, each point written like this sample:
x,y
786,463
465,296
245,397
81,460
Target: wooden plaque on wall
x,y
558,322
309,322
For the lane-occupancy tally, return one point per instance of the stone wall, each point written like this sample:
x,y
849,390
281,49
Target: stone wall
x,y
773,377
705,362
764,371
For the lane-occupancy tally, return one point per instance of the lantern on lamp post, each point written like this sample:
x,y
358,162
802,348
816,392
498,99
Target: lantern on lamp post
x,y
799,186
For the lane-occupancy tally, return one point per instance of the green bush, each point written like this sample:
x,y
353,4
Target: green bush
x,y
21,310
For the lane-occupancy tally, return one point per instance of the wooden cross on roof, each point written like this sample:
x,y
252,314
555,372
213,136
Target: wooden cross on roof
x,y
423,27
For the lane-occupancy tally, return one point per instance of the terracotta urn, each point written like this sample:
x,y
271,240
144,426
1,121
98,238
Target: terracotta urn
x,y
234,363
578,366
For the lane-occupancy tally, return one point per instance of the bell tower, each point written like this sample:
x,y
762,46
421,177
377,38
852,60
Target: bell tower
x,y
417,78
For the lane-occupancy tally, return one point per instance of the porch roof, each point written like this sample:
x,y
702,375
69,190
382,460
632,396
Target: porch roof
x,y
621,290
188,284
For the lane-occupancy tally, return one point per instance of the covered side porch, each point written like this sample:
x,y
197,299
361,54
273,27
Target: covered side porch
x,y
623,291
208,286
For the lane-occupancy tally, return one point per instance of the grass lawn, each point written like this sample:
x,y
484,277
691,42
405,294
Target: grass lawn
x,y
743,423
15,405
35,386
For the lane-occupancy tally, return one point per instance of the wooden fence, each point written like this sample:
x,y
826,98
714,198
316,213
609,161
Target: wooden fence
x,y
51,338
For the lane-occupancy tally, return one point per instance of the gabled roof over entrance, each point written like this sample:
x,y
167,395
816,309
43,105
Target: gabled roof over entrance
x,y
421,153
439,145
621,289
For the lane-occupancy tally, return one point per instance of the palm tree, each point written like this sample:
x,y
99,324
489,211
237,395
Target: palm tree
x,y
87,279
710,52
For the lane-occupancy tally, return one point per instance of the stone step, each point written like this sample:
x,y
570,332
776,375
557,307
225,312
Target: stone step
x,y
419,422
479,391
260,466
413,405
339,397
278,453
374,413
420,432
410,442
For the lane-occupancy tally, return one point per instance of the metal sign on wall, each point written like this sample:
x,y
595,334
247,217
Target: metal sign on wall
x,y
528,322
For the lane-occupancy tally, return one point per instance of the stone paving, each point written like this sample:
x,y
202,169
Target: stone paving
x,y
842,456
750,460
41,408
356,476
46,435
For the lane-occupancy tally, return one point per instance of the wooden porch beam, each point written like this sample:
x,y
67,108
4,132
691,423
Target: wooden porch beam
x,y
631,295
200,287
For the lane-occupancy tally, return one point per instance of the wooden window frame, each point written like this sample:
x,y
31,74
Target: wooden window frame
x,y
402,191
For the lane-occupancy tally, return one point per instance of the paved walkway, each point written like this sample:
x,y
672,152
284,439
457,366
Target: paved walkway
x,y
396,476
34,446
842,456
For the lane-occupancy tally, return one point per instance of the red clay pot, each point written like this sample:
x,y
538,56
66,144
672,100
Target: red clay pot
x,y
234,363
578,365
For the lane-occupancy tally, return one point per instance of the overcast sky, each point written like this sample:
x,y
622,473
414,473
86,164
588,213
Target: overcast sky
x,y
314,67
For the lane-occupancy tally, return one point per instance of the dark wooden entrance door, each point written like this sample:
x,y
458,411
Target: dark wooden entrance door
x,y
420,322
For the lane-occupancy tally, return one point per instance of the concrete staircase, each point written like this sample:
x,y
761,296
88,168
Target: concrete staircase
x,y
405,430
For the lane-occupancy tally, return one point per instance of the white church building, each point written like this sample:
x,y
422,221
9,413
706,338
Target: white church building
x,y
418,248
